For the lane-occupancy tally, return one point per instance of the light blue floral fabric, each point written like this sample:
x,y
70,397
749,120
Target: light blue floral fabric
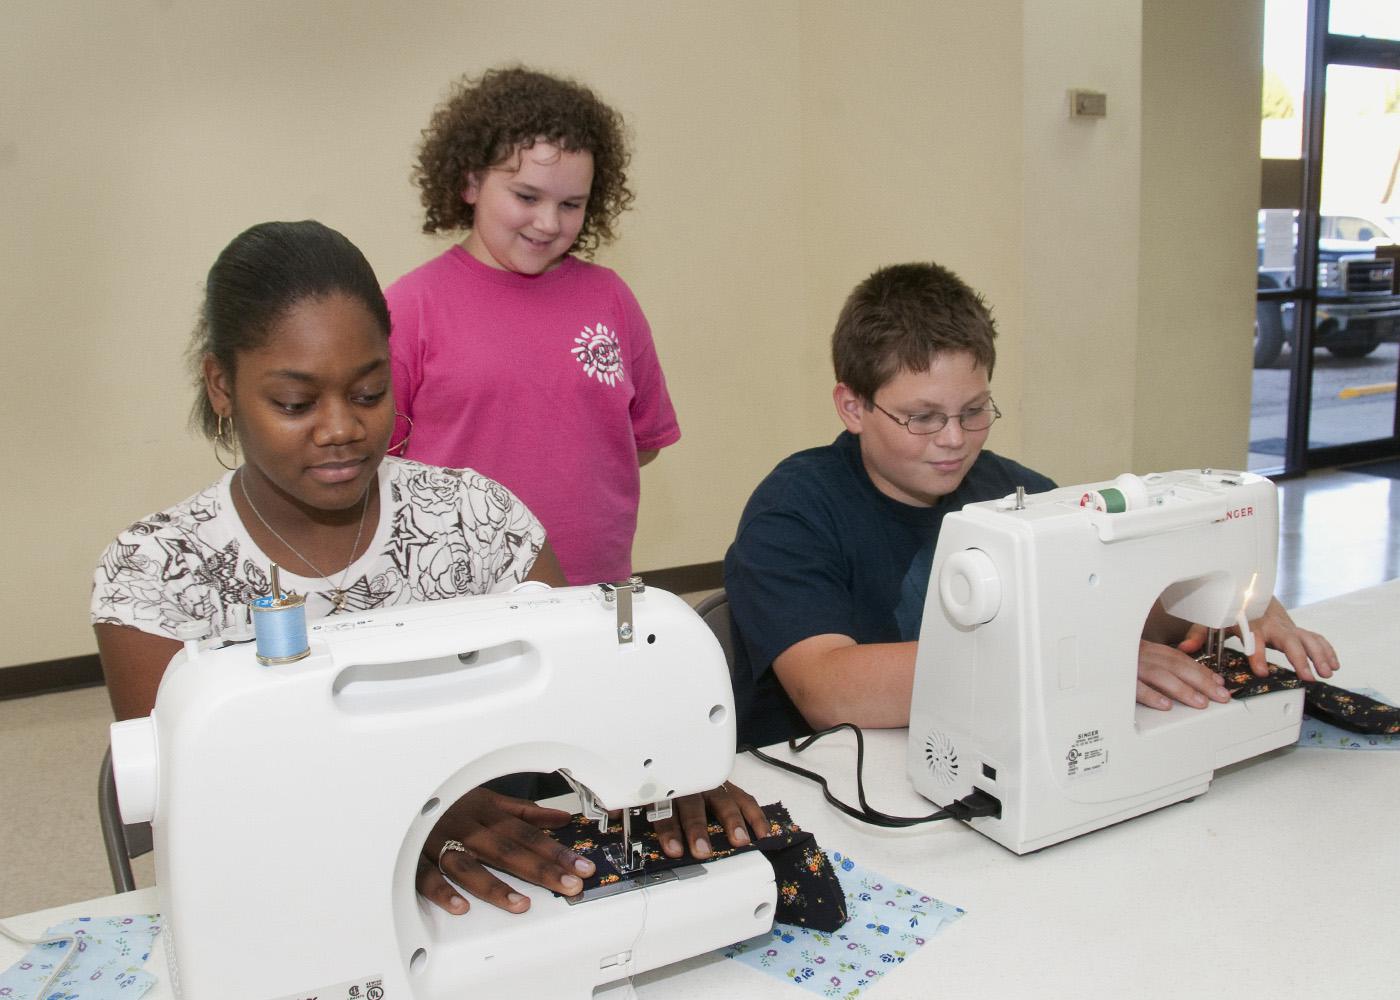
x,y
107,963
889,922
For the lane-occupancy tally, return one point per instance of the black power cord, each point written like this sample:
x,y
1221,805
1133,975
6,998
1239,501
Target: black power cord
x,y
979,803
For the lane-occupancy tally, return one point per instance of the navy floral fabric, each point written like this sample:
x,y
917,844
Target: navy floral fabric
x,y
1356,713
809,893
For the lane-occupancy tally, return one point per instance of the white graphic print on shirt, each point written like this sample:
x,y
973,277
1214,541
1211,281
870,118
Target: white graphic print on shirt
x,y
597,350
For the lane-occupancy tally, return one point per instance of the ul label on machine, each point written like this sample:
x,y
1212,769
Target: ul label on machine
x,y
364,988
1086,755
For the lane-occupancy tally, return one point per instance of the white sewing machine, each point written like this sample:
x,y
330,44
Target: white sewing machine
x,y
290,803
1025,677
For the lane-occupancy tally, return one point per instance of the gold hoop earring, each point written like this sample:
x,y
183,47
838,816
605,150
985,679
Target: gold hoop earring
x,y
224,437
399,449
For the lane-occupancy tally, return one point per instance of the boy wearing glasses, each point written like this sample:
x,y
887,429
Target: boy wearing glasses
x,y
828,572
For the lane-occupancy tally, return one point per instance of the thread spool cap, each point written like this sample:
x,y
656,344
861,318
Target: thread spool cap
x,y
1134,491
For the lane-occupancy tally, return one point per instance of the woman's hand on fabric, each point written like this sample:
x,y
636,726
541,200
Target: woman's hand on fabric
x,y
505,833
734,809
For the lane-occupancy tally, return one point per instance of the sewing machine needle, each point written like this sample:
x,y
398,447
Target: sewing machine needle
x,y
1215,648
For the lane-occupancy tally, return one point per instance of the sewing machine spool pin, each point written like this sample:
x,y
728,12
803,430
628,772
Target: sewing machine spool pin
x,y
279,625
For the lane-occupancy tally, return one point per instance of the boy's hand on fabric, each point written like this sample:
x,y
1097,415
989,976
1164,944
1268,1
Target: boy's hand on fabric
x,y
732,807
505,833
1309,654
1167,674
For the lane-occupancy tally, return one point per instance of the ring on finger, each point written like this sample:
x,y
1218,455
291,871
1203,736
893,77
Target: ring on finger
x,y
449,845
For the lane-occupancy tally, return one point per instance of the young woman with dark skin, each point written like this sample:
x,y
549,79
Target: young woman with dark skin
x,y
293,365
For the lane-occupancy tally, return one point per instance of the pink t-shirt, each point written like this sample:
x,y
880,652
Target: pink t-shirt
x,y
548,384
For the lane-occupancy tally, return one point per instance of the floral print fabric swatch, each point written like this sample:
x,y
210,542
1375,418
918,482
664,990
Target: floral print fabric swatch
x,y
1337,707
107,965
809,894
888,922
1324,735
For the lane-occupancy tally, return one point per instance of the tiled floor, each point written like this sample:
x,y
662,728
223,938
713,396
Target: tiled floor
x,y
1340,532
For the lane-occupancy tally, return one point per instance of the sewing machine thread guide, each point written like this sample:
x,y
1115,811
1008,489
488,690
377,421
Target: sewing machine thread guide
x,y
619,595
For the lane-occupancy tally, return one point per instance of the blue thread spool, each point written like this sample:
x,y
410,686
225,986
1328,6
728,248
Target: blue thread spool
x,y
279,624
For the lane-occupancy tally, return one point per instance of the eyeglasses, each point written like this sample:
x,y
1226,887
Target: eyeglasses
x,y
931,423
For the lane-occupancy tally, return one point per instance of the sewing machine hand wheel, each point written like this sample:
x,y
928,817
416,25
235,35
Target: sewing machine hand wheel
x,y
970,587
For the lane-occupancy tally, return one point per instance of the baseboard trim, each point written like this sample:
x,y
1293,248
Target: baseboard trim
x,y
50,676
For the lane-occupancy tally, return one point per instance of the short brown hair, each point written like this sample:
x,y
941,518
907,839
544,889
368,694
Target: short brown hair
x,y
901,318
485,120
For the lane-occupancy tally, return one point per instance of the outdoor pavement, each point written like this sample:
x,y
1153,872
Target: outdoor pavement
x,y
1335,420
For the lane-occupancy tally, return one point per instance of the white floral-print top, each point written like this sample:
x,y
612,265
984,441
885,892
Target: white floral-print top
x,y
442,533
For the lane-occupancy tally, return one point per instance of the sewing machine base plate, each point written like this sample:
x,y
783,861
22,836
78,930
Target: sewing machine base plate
x,y
642,880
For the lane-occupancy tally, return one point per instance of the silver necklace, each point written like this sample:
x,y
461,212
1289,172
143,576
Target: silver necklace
x,y
339,597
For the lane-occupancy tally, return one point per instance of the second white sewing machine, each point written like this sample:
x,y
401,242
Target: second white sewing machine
x,y
290,803
1026,672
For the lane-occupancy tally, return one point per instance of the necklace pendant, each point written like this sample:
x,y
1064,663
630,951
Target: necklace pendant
x,y
339,598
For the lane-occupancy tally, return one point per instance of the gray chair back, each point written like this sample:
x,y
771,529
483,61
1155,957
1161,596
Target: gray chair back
x,y
122,842
714,612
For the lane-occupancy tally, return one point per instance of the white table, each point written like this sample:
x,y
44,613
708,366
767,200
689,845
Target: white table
x,y
1282,881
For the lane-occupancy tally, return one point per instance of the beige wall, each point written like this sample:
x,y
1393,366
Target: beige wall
x,y
1200,180
1079,255
784,150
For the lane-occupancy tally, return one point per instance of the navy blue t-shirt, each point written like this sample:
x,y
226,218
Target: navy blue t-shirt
x,y
821,550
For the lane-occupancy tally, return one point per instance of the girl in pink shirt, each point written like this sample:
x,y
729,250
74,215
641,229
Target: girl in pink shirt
x,y
510,354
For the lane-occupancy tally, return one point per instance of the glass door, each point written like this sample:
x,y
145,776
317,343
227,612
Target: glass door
x,y
1356,357
1327,323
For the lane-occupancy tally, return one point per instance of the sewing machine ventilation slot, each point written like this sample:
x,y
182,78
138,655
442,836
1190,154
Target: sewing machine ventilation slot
x,y
942,757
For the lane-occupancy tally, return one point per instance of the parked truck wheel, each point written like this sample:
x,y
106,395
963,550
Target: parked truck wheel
x,y
1268,334
1353,349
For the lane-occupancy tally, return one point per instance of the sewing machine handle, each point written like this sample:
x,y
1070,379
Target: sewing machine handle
x,y
411,661
1157,520
446,639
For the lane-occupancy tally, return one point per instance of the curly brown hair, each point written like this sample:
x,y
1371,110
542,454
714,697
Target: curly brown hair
x,y
485,120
